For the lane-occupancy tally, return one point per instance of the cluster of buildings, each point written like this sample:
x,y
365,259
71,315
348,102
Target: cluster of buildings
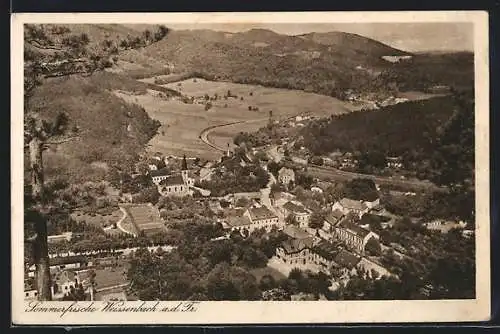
x,y
172,184
98,280
339,246
253,218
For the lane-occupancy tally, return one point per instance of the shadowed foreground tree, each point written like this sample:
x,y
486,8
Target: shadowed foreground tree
x,y
45,57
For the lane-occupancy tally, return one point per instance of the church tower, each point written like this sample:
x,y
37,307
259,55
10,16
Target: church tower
x,y
184,169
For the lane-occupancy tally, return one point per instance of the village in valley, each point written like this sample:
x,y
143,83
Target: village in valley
x,y
320,230
261,203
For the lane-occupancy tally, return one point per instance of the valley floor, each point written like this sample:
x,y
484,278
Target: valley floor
x,y
183,123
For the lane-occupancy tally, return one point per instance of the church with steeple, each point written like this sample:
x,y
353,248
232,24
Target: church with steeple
x,y
175,184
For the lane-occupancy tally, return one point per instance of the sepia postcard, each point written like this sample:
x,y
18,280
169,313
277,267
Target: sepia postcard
x,y
250,168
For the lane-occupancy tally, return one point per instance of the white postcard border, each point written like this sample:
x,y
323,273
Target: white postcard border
x,y
245,312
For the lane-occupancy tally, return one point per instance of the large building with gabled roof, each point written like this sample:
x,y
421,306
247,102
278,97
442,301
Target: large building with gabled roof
x,y
353,236
262,217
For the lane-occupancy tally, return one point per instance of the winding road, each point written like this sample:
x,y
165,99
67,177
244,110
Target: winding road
x,y
205,132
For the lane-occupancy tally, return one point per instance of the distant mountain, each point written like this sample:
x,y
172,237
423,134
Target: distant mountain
x,y
325,63
354,42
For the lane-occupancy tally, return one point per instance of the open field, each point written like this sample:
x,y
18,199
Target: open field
x,y
182,122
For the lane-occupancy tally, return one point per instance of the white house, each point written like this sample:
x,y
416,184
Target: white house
x,y
354,236
370,204
262,217
346,205
444,226
286,175
301,214
394,162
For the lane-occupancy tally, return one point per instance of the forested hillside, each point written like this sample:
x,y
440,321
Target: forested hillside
x,y
102,129
434,137
108,129
329,64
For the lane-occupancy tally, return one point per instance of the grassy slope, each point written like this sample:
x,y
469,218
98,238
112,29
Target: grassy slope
x,y
102,119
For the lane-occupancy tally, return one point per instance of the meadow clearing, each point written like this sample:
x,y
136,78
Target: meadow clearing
x,y
182,123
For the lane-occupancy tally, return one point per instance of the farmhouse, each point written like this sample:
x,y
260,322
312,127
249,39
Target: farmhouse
x,y
354,236
333,218
262,217
301,214
346,205
286,175
372,203
30,294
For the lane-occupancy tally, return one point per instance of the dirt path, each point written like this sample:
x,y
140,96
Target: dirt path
x,y
119,223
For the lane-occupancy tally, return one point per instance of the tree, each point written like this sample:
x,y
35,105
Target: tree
x,y
372,159
317,220
63,59
267,282
242,202
44,58
76,293
373,247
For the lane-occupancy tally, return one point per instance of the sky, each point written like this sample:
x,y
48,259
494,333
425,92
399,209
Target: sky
x,y
412,37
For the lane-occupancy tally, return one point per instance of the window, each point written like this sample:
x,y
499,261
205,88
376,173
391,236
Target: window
x,y
27,294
